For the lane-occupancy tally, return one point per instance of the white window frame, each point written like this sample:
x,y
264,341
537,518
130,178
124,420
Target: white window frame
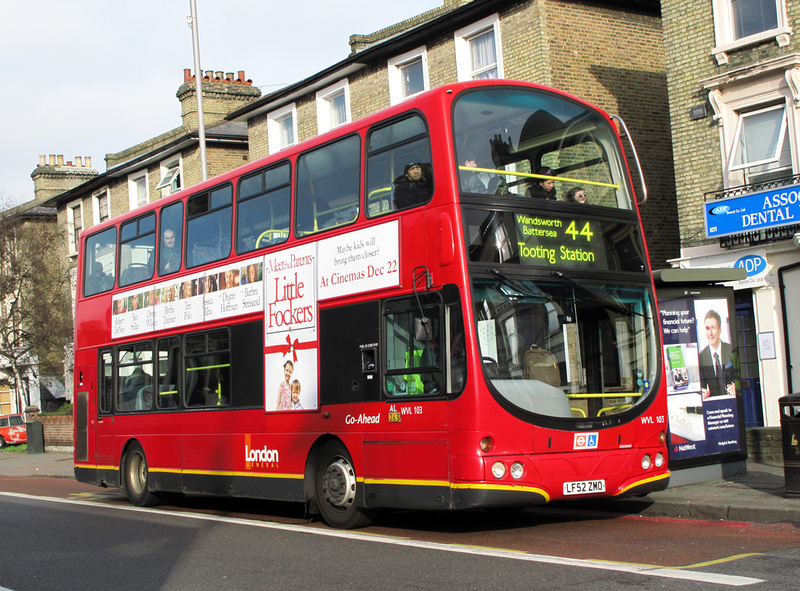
x,y
133,193
395,70
462,42
96,197
275,121
743,117
324,97
168,177
731,102
726,36
74,212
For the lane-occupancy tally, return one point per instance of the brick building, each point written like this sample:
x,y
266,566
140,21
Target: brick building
x,y
733,72
156,167
607,52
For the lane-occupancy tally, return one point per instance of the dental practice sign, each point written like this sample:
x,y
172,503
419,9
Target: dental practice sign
x,y
754,211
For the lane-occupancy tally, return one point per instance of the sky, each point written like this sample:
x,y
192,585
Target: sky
x,y
91,77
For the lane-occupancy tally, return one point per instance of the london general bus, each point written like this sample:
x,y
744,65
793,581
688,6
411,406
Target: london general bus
x,y
416,310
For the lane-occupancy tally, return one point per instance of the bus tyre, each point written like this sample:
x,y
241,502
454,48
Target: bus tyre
x,y
2,443
336,487
134,475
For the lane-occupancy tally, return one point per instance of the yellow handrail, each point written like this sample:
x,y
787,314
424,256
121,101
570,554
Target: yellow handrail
x,y
539,176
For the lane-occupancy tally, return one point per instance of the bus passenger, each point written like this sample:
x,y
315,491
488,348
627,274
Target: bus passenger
x,y
577,195
471,180
543,188
412,188
170,259
98,280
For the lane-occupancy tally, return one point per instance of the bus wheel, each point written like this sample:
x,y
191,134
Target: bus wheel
x,y
2,443
134,476
336,487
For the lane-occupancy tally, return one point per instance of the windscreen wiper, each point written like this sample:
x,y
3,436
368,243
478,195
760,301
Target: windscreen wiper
x,y
519,287
614,307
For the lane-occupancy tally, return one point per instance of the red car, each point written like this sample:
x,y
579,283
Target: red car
x,y
12,430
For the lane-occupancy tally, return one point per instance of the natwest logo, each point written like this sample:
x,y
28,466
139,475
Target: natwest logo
x,y
264,455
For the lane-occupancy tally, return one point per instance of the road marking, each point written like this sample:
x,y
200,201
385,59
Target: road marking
x,y
637,569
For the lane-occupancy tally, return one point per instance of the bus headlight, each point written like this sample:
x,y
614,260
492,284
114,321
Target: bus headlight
x,y
517,470
659,460
646,462
498,470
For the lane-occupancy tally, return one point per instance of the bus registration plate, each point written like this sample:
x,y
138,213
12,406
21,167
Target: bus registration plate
x,y
584,487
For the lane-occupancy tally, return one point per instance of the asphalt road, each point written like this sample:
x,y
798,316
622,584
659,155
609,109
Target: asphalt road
x,y
69,536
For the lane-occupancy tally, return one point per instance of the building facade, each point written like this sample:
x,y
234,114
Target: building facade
x,y
156,167
609,53
83,197
733,72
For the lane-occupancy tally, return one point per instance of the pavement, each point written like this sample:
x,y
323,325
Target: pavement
x,y
748,492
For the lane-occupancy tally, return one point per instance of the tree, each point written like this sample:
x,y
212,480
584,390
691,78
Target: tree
x,y
35,301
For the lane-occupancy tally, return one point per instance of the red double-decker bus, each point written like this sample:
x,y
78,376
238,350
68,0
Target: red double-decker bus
x,y
445,305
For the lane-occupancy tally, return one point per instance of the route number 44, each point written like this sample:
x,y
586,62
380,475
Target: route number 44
x,y
573,231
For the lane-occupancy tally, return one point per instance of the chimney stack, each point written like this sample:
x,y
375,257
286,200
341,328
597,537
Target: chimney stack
x,y
222,94
53,177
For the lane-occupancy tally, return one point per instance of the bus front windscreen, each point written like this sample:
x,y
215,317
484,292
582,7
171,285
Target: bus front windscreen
x,y
562,349
536,143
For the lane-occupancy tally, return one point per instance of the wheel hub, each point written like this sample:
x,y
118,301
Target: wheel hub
x,y
339,483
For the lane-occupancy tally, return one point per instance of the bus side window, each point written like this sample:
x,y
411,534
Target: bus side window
x,y
208,226
135,377
170,246
100,262
137,250
168,382
328,183
105,384
262,209
413,341
391,151
208,369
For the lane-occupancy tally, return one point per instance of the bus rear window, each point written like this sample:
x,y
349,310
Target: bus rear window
x,y
100,262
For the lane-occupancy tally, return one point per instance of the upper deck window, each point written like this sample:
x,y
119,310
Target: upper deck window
x,y
391,153
208,227
99,262
328,185
137,249
262,208
535,143
170,250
